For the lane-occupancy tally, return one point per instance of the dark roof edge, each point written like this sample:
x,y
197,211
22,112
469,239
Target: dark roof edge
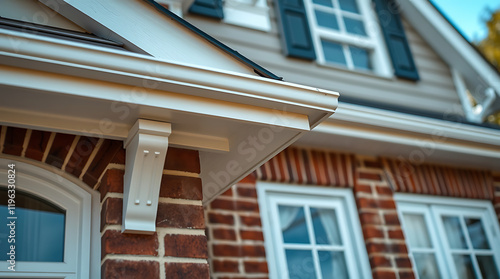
x,y
456,118
256,68
56,32
450,22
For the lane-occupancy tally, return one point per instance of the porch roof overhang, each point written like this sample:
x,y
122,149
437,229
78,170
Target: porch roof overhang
x,y
237,121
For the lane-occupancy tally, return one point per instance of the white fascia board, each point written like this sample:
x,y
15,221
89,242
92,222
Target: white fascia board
x,y
70,58
389,120
377,132
450,45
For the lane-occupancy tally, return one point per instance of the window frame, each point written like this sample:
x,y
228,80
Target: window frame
x,y
373,42
341,198
82,208
433,208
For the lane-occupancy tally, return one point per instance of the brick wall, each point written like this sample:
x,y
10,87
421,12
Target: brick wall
x,y
496,201
235,233
178,248
85,158
385,243
233,220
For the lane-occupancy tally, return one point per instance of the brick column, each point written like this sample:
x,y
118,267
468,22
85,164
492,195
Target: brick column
x,y
178,248
382,230
236,242
496,188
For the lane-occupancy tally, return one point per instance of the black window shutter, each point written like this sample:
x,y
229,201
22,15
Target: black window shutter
x,y
395,38
210,8
294,27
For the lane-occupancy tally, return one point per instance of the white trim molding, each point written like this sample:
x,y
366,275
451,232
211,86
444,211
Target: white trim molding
x,y
146,148
417,139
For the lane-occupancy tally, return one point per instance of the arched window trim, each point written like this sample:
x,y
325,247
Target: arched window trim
x,y
82,227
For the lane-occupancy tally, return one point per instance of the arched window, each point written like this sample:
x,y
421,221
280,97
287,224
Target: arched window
x,y
49,218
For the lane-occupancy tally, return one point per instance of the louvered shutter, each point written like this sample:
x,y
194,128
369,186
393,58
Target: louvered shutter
x,y
211,8
294,27
395,38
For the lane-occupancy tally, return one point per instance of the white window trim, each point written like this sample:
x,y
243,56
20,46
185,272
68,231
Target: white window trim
x,y
267,190
247,13
82,229
432,207
375,43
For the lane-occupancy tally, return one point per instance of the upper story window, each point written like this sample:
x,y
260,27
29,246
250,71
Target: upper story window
x,y
311,232
451,238
342,37
52,230
247,13
347,33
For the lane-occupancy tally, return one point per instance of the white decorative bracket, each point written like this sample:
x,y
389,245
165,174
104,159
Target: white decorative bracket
x,y
146,148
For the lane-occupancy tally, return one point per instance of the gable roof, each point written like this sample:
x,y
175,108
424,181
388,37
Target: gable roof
x,y
151,29
450,22
451,45
261,71
55,32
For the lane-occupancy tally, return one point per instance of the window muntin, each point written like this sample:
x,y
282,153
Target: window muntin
x,y
39,228
311,232
346,34
451,241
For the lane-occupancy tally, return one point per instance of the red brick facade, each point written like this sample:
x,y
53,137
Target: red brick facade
x,y
234,225
178,248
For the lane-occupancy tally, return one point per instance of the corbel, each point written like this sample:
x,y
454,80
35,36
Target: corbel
x,y
146,148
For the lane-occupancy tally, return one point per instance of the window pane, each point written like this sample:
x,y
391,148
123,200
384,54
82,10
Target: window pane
x,y
327,20
476,233
426,265
326,227
300,264
354,26
416,231
39,229
327,3
488,267
360,58
463,264
293,224
454,232
332,265
349,5
333,52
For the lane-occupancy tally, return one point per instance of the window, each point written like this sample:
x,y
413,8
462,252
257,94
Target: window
x,y
451,238
247,13
311,232
53,227
346,34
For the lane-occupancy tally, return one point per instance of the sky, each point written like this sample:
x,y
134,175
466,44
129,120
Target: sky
x,y
468,15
